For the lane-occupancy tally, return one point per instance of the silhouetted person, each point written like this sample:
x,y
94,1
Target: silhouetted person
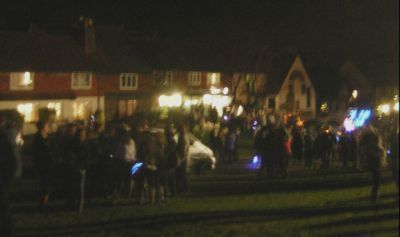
x,y
395,157
373,154
326,144
345,148
282,149
43,162
125,157
172,161
297,144
142,155
183,154
230,145
70,166
9,169
308,150
353,146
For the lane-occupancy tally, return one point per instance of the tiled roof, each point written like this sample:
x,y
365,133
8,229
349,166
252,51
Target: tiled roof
x,y
39,51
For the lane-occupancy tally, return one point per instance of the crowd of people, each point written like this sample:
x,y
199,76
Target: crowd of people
x,y
277,143
150,166
104,160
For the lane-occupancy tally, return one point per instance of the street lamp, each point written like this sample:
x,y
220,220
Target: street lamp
x,y
384,108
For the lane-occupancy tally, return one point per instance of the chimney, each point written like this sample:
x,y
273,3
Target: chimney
x,y
89,36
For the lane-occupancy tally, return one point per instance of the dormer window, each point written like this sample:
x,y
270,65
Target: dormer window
x,y
21,81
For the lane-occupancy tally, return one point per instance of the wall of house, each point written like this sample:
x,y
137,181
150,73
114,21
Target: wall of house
x,y
47,83
70,109
242,95
50,88
298,96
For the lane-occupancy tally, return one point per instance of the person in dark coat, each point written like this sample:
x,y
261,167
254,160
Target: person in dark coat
x,y
282,149
230,145
183,154
344,148
308,149
9,169
43,162
326,143
172,161
141,137
394,145
70,165
353,146
297,144
373,155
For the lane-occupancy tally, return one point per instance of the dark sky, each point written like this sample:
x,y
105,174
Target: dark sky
x,y
365,31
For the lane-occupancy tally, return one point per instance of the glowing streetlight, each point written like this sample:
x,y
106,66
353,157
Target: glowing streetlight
x,y
174,100
396,107
384,108
225,90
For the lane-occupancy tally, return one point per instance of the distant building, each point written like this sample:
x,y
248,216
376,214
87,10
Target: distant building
x,y
290,90
113,70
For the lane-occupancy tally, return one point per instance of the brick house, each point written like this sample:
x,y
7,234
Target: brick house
x,y
115,71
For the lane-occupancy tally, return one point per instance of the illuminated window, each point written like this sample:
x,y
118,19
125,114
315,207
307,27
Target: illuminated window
x,y
126,108
81,80
168,78
27,111
56,106
213,78
128,81
21,80
80,110
194,78
250,79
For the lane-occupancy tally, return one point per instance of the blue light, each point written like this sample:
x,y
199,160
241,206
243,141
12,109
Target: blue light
x,y
353,114
254,163
358,118
136,167
255,160
389,152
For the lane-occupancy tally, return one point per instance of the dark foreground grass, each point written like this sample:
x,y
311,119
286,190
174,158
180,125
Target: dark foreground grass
x,y
305,204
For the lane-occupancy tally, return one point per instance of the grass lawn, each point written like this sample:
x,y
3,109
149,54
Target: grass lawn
x,y
305,204
231,203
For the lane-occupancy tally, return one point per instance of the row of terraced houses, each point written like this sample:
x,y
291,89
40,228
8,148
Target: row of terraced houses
x,y
111,69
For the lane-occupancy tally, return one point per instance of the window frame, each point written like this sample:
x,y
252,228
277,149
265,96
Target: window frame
x,y
80,87
194,78
218,79
15,86
134,76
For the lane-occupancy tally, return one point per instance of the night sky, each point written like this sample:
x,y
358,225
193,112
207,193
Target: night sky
x,y
328,32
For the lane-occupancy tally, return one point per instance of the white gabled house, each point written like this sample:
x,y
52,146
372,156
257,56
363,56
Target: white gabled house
x,y
291,92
